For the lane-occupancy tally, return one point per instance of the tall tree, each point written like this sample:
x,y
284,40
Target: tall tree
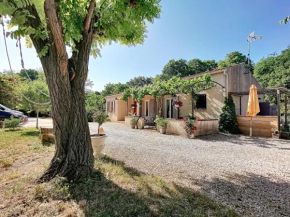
x,y
111,88
232,59
82,25
210,64
228,122
29,74
273,71
8,96
175,68
140,81
196,66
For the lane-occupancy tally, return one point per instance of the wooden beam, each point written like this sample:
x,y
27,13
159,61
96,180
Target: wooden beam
x,y
279,110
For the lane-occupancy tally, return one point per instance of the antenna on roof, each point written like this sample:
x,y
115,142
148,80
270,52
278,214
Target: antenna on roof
x,y
252,37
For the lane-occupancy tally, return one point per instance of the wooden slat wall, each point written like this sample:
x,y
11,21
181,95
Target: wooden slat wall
x,y
262,125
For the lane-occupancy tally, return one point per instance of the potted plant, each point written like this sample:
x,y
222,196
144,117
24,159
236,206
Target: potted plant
x,y
276,134
162,123
177,104
98,140
189,126
133,122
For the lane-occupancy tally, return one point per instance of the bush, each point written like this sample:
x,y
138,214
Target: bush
x,y
228,122
161,121
12,123
133,121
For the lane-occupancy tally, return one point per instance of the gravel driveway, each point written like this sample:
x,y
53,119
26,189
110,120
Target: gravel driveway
x,y
252,175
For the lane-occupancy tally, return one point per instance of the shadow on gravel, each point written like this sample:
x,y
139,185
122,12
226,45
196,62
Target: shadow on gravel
x,y
247,140
116,190
251,194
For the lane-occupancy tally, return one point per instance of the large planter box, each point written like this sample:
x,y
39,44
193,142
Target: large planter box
x,y
204,127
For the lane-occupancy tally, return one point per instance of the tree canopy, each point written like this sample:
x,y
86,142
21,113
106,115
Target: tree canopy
x,y
274,71
175,68
111,88
231,59
8,95
32,74
198,66
140,81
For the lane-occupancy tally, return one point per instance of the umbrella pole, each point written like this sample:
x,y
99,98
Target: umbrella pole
x,y
251,126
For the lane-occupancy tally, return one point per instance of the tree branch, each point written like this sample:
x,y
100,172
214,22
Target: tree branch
x,y
89,16
56,32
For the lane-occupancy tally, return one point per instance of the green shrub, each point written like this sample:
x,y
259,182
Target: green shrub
x,y
12,123
228,122
161,121
133,121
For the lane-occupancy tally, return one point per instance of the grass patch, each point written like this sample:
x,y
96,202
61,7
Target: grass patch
x,y
4,163
113,189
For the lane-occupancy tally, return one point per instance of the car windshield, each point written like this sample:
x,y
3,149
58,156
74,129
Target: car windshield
x,y
2,107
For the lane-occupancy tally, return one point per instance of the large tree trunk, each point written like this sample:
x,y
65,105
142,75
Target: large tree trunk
x,y
66,78
73,158
74,155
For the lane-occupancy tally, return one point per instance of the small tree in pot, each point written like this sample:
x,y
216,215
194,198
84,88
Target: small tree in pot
x,y
162,123
98,140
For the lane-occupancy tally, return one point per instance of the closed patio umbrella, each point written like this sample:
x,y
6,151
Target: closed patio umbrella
x,y
253,105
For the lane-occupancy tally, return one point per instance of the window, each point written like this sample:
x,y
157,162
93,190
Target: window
x,y
201,101
169,109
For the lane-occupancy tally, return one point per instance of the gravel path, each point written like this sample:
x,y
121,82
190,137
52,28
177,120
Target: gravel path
x,y
252,175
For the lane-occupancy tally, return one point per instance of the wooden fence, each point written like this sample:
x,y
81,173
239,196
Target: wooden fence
x,y
262,125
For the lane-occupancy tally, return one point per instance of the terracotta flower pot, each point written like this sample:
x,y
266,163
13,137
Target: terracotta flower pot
x,y
276,136
162,130
98,143
133,126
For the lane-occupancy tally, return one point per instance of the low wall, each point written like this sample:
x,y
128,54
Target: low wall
x,y
262,125
204,127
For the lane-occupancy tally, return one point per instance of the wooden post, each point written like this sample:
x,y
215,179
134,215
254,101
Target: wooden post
x,y
279,109
192,105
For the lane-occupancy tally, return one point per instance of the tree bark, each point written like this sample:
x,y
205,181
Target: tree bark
x,y
73,158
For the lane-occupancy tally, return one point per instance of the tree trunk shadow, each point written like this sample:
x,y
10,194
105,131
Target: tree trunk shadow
x,y
115,190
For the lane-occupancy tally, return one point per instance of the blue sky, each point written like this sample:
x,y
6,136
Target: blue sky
x,y
188,29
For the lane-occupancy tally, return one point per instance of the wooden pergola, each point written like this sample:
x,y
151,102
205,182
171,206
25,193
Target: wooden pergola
x,y
273,91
